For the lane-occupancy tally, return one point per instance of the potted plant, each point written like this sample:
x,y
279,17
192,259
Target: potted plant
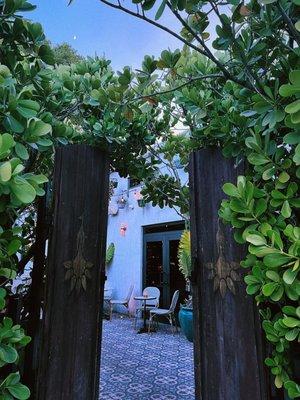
x,y
185,315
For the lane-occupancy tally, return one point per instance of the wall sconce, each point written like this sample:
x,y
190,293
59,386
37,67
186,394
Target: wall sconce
x,y
123,229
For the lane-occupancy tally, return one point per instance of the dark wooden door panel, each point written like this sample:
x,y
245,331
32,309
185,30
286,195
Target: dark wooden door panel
x,y
228,350
70,356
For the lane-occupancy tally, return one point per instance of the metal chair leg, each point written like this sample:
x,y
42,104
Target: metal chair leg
x,y
150,323
136,317
127,307
110,311
175,323
170,318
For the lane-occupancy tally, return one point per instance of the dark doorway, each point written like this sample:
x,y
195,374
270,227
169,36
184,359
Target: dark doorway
x,y
161,263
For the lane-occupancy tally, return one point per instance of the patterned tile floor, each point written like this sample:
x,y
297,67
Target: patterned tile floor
x,y
158,366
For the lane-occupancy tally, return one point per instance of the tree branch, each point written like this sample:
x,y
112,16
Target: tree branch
x,y
206,52
191,80
291,28
150,21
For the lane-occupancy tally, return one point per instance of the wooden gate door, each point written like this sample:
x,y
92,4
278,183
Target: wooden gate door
x,y
70,355
228,349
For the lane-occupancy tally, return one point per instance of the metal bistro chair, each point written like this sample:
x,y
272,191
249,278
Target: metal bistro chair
x,y
123,302
168,313
151,291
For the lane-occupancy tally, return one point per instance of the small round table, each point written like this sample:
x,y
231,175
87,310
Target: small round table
x,y
144,300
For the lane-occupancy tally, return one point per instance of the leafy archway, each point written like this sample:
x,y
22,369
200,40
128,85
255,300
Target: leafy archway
x,y
244,99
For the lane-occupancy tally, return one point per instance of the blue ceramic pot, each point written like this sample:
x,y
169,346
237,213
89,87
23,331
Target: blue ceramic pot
x,y
185,317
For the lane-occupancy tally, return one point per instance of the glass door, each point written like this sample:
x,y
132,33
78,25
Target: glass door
x,y
161,265
154,265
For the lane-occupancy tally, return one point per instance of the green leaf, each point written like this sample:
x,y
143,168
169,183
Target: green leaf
x,y
293,107
268,173
284,177
39,128
274,276
38,179
291,322
296,157
291,335
45,142
160,10
13,246
257,240
21,151
295,117
289,310
2,298
286,210
257,159
288,90
47,54
276,260
292,138
11,123
148,4
8,273
230,190
260,207
7,142
289,276
23,191
252,288
269,288
8,354
19,391
5,171
110,254
294,76
278,293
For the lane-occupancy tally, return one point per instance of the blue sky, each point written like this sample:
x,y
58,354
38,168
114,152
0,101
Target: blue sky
x,y
101,30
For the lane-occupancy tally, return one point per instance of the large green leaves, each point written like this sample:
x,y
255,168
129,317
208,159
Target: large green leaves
x,y
23,190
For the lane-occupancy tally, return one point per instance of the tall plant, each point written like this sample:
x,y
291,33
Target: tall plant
x,y
184,255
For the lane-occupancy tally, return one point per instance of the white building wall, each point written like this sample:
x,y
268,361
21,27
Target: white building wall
x,y
127,265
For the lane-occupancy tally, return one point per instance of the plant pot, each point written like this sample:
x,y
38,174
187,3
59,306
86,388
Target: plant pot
x,y
185,317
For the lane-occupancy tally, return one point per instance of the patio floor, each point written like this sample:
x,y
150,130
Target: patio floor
x,y
158,366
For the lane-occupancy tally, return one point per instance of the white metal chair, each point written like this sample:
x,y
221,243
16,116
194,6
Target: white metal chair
x,y
168,313
151,291
123,302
